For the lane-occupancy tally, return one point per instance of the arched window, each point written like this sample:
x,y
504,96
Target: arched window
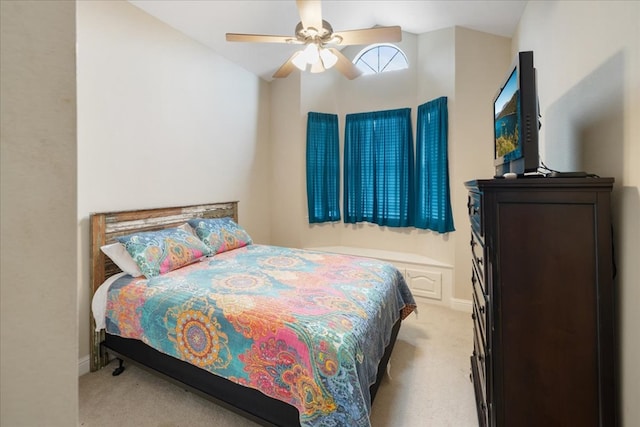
x,y
380,58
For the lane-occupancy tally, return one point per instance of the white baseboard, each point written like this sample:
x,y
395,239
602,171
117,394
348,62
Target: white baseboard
x,y
461,304
84,365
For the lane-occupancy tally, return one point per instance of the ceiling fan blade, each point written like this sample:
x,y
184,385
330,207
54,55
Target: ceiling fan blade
x,y
344,65
370,35
286,68
260,38
310,13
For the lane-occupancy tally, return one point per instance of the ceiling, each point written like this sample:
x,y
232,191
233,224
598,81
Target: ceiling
x,y
207,21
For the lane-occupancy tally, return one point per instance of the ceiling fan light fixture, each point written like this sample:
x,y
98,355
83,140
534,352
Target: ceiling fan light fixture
x,y
328,58
300,60
311,53
317,67
319,39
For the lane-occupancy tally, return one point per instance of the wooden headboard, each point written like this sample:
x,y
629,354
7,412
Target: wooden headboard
x,y
106,227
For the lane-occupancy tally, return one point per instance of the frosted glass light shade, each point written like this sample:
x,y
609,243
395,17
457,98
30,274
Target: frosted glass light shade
x,y
312,54
329,59
319,58
317,67
300,61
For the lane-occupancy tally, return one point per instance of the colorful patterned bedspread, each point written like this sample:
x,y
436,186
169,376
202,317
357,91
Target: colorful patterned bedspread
x,y
308,328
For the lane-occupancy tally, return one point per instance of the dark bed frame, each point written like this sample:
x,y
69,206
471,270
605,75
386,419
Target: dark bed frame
x,y
248,402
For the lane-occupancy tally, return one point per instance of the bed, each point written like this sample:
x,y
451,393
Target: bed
x,y
282,336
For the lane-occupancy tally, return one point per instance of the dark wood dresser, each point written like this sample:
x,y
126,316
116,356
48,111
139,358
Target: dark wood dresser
x,y
543,302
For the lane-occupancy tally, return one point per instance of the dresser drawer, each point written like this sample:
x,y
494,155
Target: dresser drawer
x,y
480,306
477,253
480,346
481,396
477,278
474,206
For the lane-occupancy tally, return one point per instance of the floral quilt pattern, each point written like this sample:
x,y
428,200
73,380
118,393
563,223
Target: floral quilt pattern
x,y
308,328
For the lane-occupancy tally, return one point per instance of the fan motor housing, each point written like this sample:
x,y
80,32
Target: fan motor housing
x,y
322,35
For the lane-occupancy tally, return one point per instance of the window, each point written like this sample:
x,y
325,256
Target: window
x,y
433,204
379,181
323,167
378,168
380,58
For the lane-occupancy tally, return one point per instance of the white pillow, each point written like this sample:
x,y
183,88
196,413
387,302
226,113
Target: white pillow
x,y
189,229
119,255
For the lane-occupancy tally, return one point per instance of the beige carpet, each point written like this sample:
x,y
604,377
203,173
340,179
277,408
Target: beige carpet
x,y
429,385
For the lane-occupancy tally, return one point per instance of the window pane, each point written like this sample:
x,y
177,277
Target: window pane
x,y
433,204
380,58
385,54
378,168
323,167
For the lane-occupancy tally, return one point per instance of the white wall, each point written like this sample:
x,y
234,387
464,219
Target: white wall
x,y
588,60
481,62
38,316
163,121
286,151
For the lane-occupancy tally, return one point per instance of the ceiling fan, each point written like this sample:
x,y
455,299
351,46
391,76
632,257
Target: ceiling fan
x,y
319,39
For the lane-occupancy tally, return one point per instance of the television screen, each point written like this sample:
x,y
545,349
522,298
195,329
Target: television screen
x,y
515,114
507,126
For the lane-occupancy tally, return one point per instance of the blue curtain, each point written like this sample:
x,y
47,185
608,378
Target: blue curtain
x,y
433,204
378,168
323,167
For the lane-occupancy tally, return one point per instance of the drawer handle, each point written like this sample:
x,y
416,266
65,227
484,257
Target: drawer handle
x,y
473,316
482,309
473,279
472,208
479,261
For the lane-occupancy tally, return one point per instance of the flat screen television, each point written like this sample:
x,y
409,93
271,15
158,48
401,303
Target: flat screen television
x,y
515,108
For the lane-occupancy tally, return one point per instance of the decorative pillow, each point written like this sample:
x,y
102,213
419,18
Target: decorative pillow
x,y
220,234
121,258
158,252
